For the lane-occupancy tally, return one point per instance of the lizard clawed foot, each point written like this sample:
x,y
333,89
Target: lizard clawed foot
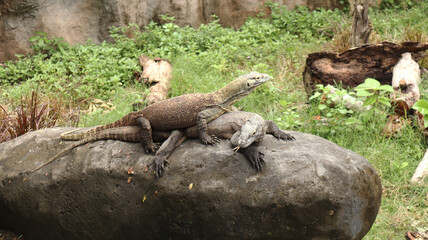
x,y
160,163
207,139
215,139
235,149
285,136
152,148
254,156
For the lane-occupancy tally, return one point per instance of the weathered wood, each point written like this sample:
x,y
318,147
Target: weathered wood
x,y
421,170
157,72
405,80
353,66
361,27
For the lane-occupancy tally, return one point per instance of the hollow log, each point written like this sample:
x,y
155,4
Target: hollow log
x,y
353,66
157,74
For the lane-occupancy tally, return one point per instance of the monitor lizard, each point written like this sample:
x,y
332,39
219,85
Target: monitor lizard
x,y
242,128
183,111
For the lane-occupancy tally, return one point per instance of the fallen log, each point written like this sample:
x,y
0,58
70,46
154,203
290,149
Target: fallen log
x,y
421,170
405,80
353,66
157,74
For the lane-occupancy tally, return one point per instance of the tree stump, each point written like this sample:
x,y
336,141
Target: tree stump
x,y
353,66
361,27
157,74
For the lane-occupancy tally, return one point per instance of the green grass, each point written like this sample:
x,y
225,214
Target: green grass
x,y
207,58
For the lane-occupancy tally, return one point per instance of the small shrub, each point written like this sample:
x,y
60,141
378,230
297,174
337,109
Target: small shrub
x,y
398,4
43,45
31,114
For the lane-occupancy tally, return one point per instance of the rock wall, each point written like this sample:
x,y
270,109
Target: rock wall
x,y
78,20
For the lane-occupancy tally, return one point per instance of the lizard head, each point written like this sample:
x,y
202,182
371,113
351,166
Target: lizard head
x,y
251,131
242,86
253,80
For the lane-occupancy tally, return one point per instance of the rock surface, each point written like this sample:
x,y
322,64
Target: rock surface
x,y
78,20
309,189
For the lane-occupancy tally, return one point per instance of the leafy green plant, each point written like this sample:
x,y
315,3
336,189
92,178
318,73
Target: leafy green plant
x,y
43,45
375,93
398,4
308,25
422,107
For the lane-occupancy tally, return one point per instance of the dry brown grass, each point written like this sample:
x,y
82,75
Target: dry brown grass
x,y
33,113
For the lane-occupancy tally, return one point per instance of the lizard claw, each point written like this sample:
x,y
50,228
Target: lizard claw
x,y
152,148
207,139
160,163
254,156
215,139
285,136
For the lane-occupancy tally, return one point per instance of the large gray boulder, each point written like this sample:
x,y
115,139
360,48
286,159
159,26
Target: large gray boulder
x,y
309,189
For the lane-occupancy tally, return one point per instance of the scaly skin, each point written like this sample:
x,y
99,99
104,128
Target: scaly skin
x,y
183,111
242,128
227,126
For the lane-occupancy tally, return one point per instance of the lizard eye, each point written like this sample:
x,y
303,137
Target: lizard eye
x,y
248,84
257,77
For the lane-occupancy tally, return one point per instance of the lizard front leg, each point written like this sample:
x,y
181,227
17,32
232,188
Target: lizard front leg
x,y
254,156
203,118
146,135
272,128
176,138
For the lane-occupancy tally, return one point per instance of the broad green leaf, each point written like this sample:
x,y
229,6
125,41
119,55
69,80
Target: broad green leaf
x,y
421,106
369,101
384,101
342,111
315,95
387,88
372,83
364,93
322,106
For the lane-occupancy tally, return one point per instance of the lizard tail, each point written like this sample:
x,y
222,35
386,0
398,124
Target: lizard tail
x,y
65,151
127,120
91,132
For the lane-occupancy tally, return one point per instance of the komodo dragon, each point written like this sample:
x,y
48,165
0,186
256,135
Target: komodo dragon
x,y
183,111
243,128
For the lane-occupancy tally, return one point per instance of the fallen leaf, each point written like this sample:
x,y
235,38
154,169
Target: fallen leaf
x,y
25,179
129,179
20,161
191,186
144,198
128,156
146,169
156,192
10,181
131,170
46,174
